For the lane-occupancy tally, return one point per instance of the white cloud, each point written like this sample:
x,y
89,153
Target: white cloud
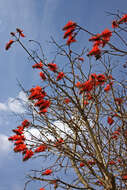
x,y
33,135
3,107
15,104
5,145
22,96
62,129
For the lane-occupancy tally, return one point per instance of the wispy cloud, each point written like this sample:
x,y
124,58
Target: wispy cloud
x,y
15,105
5,145
3,107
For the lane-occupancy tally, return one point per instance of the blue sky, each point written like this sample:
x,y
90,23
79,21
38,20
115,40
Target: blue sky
x,y
39,19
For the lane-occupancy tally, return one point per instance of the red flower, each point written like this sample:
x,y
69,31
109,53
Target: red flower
x,y
20,32
47,172
78,84
36,93
82,164
97,43
89,96
86,86
95,51
119,100
16,137
123,19
42,188
99,39
70,40
110,120
112,162
42,75
101,79
20,148
18,131
70,24
52,67
86,102
45,105
124,177
95,38
38,65
8,45
19,142
41,148
70,28
25,123
93,77
106,33
38,103
119,160
114,24
114,137
37,88
116,133
107,88
59,142
28,154
68,32
66,100
81,59
60,76
43,111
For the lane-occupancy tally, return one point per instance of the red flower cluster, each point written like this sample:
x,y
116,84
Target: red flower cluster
x,y
108,87
8,45
89,162
69,29
123,19
118,100
115,23
99,40
52,67
47,172
86,102
37,65
41,148
42,75
124,177
20,32
115,134
28,154
38,94
93,81
82,164
19,139
81,59
60,76
110,120
95,51
111,162
59,142
66,100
